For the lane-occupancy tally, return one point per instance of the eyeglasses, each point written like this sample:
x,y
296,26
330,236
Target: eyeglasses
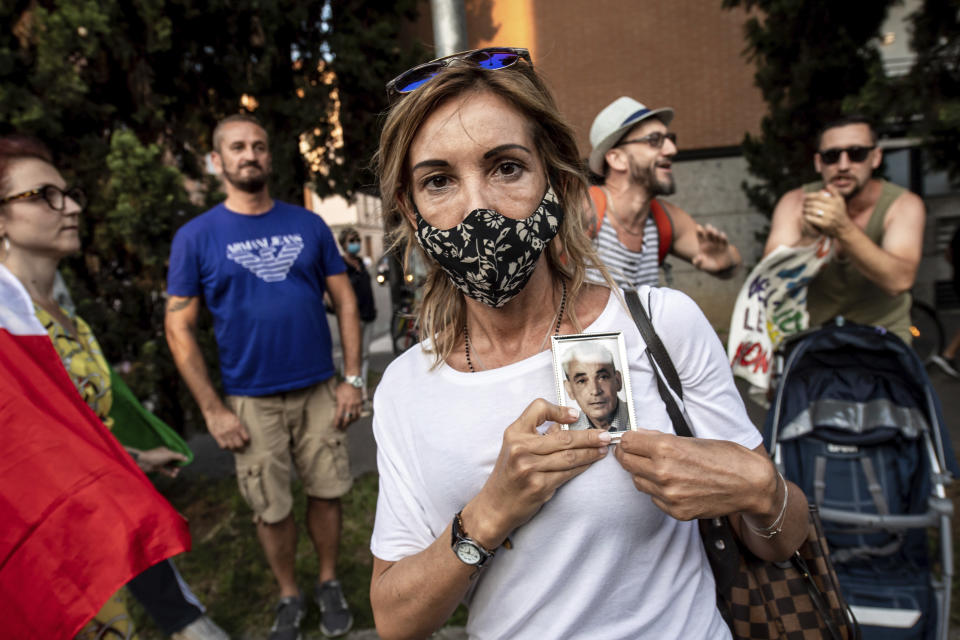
x,y
654,139
55,197
856,154
491,58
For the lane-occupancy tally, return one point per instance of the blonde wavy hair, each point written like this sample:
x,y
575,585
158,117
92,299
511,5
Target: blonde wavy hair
x,y
442,312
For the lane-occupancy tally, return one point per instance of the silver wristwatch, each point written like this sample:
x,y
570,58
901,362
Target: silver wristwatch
x,y
469,551
354,381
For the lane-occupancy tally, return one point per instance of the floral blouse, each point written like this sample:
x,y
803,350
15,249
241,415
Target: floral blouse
x,y
83,359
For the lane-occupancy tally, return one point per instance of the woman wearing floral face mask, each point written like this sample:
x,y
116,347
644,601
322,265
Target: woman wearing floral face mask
x,y
542,532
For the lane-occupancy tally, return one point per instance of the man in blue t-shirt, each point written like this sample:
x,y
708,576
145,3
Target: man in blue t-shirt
x,y
262,267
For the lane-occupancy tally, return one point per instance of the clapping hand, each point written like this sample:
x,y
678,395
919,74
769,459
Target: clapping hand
x,y
825,211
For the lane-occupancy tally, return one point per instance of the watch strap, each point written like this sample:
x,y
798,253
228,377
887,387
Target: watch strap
x,y
458,535
354,381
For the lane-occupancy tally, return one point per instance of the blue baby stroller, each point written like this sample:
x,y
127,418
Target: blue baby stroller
x,y
855,423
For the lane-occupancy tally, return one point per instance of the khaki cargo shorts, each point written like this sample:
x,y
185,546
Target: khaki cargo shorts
x,y
297,424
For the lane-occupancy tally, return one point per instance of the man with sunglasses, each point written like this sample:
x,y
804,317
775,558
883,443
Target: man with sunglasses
x,y
262,267
877,228
633,230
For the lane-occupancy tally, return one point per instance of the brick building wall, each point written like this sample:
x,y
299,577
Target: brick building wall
x,y
682,53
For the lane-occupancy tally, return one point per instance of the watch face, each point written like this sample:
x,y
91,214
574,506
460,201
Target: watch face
x,y
468,553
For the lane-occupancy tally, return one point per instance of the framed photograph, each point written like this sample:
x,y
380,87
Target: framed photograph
x,y
591,374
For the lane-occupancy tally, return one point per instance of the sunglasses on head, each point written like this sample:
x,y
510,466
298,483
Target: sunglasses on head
x,y
855,154
654,139
491,58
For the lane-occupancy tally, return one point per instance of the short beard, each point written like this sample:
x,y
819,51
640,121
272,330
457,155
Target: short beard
x,y
857,188
648,180
254,184
666,188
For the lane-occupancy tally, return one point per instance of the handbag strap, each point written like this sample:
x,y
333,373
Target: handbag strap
x,y
660,361
652,340
719,541
816,597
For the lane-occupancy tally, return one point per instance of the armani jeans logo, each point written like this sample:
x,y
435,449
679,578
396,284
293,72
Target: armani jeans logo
x,y
270,258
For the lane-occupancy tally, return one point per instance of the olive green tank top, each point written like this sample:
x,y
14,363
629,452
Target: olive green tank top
x,y
841,290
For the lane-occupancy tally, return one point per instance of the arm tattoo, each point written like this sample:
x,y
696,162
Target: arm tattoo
x,y
175,304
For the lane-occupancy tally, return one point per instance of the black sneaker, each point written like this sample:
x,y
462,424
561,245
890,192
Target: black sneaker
x,y
286,626
335,616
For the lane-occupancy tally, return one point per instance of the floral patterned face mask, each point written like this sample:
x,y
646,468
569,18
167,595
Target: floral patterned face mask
x,y
489,256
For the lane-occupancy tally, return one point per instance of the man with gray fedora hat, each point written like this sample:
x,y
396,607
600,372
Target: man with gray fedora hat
x,y
632,229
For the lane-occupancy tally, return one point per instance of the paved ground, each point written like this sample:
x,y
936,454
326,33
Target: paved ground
x,y
210,460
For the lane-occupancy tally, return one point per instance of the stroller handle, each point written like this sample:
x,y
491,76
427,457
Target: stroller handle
x,y
889,522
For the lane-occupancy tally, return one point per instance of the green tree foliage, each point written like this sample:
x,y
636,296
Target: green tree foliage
x,y
127,92
810,57
926,101
118,281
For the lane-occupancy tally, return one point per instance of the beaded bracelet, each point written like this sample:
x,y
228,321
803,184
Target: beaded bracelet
x,y
777,526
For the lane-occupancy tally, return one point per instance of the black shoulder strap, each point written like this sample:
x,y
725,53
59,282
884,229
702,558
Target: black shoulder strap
x,y
719,541
659,359
654,344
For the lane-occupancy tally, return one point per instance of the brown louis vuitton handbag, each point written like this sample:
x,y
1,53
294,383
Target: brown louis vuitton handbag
x,y
798,599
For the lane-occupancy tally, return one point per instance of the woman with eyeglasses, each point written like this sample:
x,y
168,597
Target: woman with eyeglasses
x,y
542,532
39,226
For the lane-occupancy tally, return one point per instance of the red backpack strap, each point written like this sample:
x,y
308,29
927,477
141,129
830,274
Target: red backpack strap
x,y
664,229
600,204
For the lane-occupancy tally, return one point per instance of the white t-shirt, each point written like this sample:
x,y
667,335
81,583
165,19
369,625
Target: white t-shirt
x,y
599,559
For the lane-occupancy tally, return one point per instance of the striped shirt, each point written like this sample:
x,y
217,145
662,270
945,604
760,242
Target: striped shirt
x,y
628,268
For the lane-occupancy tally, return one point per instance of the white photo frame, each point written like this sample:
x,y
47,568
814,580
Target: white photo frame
x,y
607,400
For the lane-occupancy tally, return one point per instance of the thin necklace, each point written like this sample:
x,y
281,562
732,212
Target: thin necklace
x,y
620,223
556,330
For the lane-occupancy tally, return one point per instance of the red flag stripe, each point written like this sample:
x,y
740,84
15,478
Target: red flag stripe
x,y
79,519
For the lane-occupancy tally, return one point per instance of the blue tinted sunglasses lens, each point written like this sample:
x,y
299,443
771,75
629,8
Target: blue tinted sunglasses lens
x,y
494,60
484,58
416,82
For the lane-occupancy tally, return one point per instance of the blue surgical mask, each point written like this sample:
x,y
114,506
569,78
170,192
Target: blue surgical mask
x,y
353,248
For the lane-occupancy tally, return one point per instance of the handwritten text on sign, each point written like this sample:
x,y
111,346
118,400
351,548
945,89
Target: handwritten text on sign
x,y
771,305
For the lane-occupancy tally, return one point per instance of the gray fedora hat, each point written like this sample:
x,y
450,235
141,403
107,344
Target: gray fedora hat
x,y
614,121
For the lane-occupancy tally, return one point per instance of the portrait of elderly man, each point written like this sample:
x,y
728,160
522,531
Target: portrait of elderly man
x,y
594,383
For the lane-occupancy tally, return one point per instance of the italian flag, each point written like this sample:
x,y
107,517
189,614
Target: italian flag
x,y
78,519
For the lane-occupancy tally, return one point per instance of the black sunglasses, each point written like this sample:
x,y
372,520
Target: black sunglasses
x,y
654,139
55,197
856,154
491,58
